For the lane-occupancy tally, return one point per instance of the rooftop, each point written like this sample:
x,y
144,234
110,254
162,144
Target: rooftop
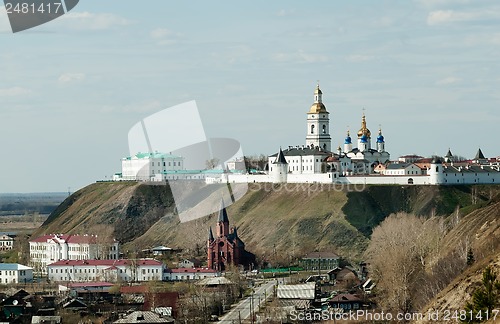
x,y
66,238
109,263
193,270
153,155
302,151
13,266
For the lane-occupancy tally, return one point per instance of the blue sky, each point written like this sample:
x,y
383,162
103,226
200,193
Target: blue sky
x,y
427,71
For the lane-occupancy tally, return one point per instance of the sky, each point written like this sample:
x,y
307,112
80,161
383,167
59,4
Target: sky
x,y
427,71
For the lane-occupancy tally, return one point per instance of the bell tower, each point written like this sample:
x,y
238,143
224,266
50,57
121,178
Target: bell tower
x,y
318,123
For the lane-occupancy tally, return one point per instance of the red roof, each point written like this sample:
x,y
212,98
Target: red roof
x,y
193,270
109,263
345,298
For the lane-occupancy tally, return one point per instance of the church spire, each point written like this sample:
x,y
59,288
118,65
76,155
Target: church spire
x,y
210,234
281,158
223,213
223,221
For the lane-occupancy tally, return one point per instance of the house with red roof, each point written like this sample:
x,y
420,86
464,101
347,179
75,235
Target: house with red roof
x,y
51,248
125,270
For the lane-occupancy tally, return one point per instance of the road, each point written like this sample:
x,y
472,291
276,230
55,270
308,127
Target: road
x,y
242,309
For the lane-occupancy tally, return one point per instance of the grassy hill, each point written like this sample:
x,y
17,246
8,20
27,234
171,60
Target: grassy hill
x,y
273,222
479,230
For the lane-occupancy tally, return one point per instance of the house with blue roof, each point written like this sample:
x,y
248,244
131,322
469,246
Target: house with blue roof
x,y
13,273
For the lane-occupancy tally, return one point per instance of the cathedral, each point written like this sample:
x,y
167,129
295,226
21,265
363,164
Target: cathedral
x,y
316,156
226,248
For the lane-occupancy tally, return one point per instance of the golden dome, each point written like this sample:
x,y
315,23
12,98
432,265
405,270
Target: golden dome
x,y
364,130
317,108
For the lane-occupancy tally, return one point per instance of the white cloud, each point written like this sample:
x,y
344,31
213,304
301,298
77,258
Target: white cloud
x,y
94,21
300,57
359,58
14,91
165,36
440,3
285,12
452,16
448,80
142,107
70,77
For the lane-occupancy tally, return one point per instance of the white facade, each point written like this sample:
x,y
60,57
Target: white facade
x,y
144,166
401,169
318,124
6,242
438,174
236,165
106,270
302,160
190,274
448,174
48,249
12,273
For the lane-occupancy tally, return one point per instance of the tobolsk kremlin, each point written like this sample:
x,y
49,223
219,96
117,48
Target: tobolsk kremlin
x,y
362,159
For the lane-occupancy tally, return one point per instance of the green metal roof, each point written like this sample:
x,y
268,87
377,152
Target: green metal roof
x,y
154,155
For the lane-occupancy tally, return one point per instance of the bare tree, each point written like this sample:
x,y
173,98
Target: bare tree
x,y
104,239
212,163
397,254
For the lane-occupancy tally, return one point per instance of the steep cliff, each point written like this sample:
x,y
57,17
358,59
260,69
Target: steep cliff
x,y
274,221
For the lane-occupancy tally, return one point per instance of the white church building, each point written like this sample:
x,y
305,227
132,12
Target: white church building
x,y
316,156
316,162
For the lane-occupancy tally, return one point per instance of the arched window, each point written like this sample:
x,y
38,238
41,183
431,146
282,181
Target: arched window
x,y
324,129
312,129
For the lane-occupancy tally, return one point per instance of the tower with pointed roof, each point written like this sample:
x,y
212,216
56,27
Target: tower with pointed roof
x,y
279,168
448,157
318,124
222,221
479,158
226,248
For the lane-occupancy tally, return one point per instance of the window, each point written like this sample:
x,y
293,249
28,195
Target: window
x,y
312,129
324,129
164,163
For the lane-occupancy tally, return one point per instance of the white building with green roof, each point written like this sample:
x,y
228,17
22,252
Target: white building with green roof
x,y
146,166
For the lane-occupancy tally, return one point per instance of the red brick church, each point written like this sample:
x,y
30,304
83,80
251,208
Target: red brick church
x,y
226,248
